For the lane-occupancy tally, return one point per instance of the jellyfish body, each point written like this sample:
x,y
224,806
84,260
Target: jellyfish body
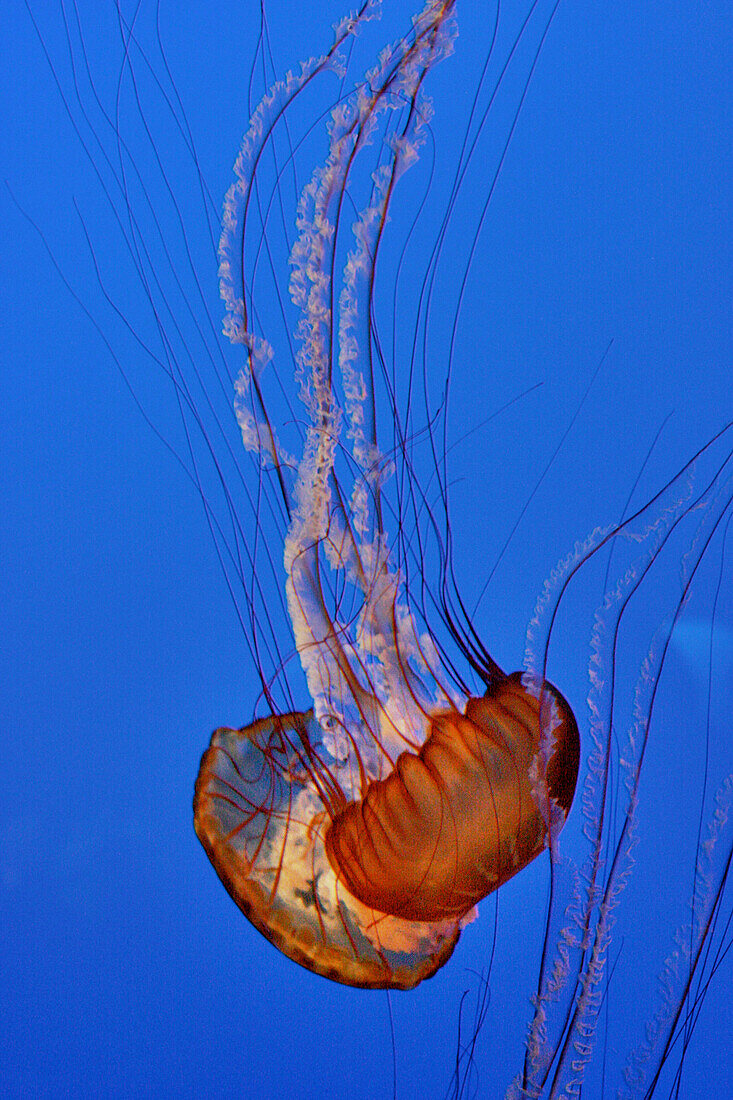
x,y
359,835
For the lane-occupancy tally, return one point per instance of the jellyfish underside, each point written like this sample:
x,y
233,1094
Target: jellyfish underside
x,y
373,891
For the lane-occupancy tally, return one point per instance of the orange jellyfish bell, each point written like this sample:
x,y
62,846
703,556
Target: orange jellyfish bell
x,y
359,834
456,820
373,891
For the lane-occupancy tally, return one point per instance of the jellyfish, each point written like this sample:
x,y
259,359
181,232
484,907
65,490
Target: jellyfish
x,y
390,782
359,835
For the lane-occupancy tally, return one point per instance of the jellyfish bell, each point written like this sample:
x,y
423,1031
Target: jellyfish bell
x,y
364,867
456,820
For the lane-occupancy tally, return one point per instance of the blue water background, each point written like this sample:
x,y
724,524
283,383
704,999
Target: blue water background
x,y
126,970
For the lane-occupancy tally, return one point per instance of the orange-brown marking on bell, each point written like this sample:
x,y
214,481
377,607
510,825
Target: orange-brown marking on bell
x,y
455,820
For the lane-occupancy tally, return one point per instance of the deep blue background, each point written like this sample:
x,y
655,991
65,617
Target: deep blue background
x,y
126,970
